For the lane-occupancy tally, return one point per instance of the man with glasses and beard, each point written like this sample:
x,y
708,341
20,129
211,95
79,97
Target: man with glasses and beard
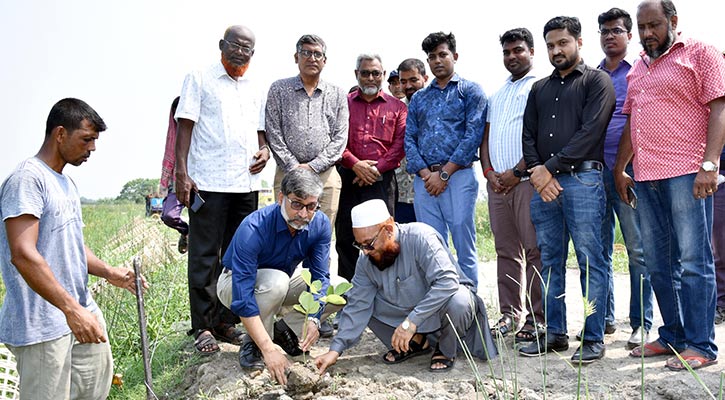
x,y
374,149
674,136
220,151
407,286
261,275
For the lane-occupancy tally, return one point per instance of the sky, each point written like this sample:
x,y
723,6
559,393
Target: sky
x,y
128,59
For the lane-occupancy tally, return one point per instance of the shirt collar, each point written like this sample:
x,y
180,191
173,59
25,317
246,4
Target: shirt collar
x,y
455,78
299,85
581,67
622,63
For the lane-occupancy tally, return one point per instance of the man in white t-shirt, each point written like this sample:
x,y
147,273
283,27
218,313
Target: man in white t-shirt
x,y
48,319
220,151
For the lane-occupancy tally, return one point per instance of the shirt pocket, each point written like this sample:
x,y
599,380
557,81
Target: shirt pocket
x,y
385,127
409,291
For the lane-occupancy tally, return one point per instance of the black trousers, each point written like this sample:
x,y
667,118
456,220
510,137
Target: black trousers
x,y
350,196
210,231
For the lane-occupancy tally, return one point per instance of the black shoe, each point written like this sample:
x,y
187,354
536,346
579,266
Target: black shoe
x,y
589,352
183,243
286,339
546,343
609,328
325,329
249,354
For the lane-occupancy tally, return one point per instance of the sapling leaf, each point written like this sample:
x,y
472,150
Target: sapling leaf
x,y
306,301
330,289
335,299
306,276
315,287
342,287
299,308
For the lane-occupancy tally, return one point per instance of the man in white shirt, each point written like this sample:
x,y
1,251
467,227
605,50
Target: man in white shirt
x,y
509,193
220,151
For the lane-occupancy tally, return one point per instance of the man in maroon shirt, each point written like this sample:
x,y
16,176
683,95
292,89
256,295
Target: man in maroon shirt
x,y
374,149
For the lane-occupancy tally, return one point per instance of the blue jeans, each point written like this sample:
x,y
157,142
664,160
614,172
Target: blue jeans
x,y
453,210
676,232
576,213
629,225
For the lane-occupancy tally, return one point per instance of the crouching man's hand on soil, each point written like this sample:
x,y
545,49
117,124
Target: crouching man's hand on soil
x,y
277,364
326,360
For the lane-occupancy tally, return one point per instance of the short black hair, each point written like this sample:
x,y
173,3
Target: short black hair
x,y
516,34
614,14
571,24
70,113
438,38
311,39
410,64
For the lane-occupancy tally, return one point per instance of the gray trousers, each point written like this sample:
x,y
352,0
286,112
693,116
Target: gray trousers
x,y
460,308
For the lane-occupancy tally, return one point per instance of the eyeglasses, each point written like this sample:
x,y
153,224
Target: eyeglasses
x,y
614,31
370,246
308,54
247,51
366,74
297,206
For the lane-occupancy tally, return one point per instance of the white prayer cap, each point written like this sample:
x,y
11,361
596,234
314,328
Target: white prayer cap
x,y
369,213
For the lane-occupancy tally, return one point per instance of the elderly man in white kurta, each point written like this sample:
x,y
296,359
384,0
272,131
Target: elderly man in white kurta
x,y
220,150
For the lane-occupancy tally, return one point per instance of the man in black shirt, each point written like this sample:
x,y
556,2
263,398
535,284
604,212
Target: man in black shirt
x,y
565,122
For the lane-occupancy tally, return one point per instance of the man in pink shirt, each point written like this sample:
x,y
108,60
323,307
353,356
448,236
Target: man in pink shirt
x,y
675,131
374,149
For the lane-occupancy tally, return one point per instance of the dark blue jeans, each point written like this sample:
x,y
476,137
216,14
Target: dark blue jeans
x,y
629,225
676,232
576,213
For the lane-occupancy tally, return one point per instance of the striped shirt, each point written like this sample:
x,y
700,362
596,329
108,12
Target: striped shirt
x,y
506,116
667,103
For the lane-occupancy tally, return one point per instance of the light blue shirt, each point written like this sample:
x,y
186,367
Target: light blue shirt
x,y
506,117
445,124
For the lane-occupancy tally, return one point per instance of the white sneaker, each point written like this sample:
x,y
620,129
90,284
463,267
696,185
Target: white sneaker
x,y
636,338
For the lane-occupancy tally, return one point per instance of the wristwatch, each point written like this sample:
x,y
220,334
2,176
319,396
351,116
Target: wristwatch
x,y
314,321
444,175
406,324
520,174
707,166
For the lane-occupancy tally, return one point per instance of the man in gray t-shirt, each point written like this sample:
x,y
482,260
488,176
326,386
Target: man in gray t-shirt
x,y
48,318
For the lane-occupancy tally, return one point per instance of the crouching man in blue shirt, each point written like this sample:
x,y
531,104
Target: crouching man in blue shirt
x,y
261,277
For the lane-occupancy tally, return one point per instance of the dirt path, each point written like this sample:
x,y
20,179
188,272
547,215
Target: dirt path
x,y
359,374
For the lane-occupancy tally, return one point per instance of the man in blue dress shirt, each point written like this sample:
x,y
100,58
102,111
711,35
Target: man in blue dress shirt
x,y
261,274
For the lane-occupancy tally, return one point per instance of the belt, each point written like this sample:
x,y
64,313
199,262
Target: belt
x,y
588,165
438,167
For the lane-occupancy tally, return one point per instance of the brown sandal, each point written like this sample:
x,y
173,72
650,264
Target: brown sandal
x,y
205,344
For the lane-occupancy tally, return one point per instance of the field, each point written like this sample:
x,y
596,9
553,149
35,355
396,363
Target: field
x,y
118,233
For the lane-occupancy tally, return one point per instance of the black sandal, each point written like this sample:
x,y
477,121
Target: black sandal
x,y
504,326
228,333
442,359
205,344
529,332
414,349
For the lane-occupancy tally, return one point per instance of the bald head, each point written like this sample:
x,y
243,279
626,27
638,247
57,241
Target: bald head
x,y
239,31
